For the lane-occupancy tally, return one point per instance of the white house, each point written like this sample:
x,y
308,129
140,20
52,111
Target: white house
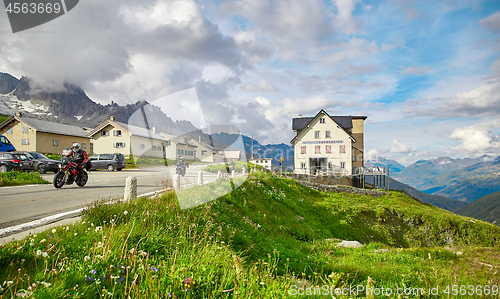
x,y
206,152
179,146
264,162
328,144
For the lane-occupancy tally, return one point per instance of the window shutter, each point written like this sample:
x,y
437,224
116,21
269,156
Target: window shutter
x,y
114,145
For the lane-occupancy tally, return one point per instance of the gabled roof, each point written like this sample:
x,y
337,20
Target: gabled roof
x,y
47,126
341,121
132,130
209,147
300,123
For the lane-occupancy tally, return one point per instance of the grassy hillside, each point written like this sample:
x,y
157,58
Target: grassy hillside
x,y
435,200
265,239
486,208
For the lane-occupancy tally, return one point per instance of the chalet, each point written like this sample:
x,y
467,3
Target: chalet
x,y
116,137
326,144
36,135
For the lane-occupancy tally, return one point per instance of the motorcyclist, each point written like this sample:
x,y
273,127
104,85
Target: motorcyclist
x,y
181,164
231,166
78,155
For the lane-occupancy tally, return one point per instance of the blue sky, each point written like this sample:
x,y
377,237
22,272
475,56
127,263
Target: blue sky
x,y
426,73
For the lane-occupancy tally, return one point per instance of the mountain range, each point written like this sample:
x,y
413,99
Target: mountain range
x,y
486,208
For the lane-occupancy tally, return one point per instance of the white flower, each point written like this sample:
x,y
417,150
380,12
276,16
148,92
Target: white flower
x,y
75,234
86,258
38,253
43,241
125,212
31,244
132,250
54,231
45,254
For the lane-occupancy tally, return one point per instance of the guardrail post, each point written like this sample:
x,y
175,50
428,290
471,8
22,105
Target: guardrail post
x,y
200,177
177,181
130,188
243,172
232,173
219,174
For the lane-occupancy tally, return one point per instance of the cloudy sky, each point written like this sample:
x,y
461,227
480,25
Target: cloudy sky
x,y
426,73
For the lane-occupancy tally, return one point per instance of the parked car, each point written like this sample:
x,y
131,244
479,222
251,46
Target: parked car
x,y
15,161
5,145
66,151
108,161
43,164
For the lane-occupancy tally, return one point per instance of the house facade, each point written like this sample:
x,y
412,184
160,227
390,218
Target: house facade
x,y
266,163
205,152
115,137
326,144
35,135
179,146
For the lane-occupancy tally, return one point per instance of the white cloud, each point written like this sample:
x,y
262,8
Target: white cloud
x,y
478,138
400,147
491,22
416,70
262,85
344,20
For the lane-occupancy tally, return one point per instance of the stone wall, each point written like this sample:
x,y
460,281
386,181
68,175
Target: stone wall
x,y
339,189
324,180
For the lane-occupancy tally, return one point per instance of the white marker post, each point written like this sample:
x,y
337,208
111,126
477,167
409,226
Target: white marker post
x,y
130,189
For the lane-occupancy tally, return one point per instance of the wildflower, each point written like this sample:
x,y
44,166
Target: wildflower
x,y
75,234
125,212
54,231
38,252
93,271
89,278
45,254
46,284
261,283
132,250
42,241
122,279
31,244
86,258
98,281
169,295
153,268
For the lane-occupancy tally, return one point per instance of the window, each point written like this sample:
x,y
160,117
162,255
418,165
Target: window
x,y
118,145
330,165
167,143
353,158
328,149
153,148
342,149
117,133
5,141
342,165
203,153
302,149
316,134
317,149
302,165
104,133
178,152
55,142
141,146
84,145
322,120
9,130
267,161
327,134
25,141
91,146
25,129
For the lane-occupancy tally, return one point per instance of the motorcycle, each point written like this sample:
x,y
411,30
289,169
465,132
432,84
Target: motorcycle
x,y
69,173
180,168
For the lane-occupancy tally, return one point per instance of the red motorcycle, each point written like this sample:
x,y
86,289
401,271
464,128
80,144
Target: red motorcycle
x,y
70,172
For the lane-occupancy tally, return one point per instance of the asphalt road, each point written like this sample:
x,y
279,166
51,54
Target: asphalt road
x,y
21,204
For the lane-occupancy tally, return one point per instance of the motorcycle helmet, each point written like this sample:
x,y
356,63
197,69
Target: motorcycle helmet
x,y
76,146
